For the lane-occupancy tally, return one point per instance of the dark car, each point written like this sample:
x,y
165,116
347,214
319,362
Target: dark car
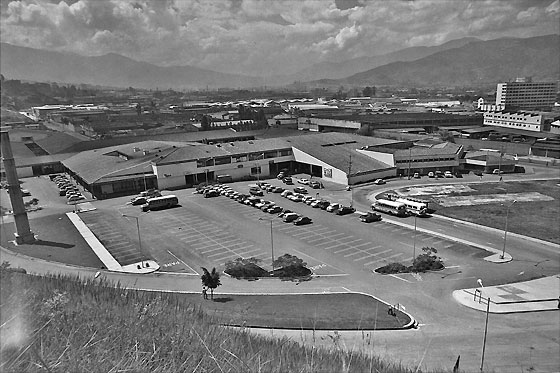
x,y
302,220
300,190
323,205
370,217
287,180
290,217
345,210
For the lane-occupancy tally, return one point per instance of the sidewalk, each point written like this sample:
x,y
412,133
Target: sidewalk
x,y
531,296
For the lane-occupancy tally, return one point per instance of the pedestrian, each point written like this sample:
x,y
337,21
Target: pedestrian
x,y
501,178
204,292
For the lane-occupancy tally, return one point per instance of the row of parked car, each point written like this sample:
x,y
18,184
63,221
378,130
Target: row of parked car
x,y
334,207
67,189
270,207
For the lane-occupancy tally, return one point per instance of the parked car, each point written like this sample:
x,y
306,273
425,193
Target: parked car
x,y
286,193
300,190
370,217
448,174
315,204
277,189
138,201
76,198
458,174
303,181
289,217
295,198
431,174
345,210
281,175
284,213
333,207
439,174
287,180
379,182
211,193
302,220
256,192
25,192
323,205
495,172
274,209
416,175
315,184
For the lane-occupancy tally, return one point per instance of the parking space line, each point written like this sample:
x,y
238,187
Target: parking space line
x,y
332,236
354,253
344,243
362,244
343,250
377,254
216,248
362,257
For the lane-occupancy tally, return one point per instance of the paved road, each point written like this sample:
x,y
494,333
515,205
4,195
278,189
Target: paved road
x,y
516,342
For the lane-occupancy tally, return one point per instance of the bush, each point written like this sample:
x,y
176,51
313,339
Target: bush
x,y
427,261
245,268
392,268
293,271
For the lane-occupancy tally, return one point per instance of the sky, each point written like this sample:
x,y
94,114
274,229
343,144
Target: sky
x,y
260,37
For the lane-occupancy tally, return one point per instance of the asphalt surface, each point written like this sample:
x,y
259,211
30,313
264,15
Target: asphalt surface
x,y
525,341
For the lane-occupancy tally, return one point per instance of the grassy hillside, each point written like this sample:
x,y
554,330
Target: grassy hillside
x,y
66,324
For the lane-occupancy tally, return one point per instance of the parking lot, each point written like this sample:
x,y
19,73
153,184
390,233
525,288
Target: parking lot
x,y
200,238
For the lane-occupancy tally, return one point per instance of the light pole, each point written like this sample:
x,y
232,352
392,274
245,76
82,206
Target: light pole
x,y
414,242
271,244
505,230
485,333
138,229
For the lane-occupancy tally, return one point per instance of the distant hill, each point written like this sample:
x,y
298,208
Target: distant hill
x,y
476,63
332,70
110,70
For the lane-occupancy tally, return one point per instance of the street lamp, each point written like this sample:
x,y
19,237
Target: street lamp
x,y
271,244
414,242
505,230
138,229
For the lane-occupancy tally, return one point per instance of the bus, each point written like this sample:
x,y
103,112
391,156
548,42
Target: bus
x,y
390,207
163,202
417,208
413,205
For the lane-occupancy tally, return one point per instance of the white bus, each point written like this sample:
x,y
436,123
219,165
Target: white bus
x,y
389,207
163,202
414,207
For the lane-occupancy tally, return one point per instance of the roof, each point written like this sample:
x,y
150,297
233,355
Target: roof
x,y
57,142
118,161
337,149
202,151
420,149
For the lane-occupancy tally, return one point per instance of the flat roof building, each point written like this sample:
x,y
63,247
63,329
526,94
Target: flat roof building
x,y
524,94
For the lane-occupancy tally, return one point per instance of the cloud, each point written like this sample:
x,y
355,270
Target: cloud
x,y
263,36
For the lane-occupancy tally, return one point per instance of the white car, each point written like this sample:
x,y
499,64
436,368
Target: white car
x,y
379,182
303,181
448,174
333,207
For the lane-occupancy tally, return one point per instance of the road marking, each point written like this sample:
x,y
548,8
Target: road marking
x,y
343,250
397,277
354,253
188,266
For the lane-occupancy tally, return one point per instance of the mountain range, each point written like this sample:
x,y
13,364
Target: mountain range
x,y
467,61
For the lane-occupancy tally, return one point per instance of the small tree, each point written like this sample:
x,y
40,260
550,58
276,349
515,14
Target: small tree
x,y
427,261
211,280
288,260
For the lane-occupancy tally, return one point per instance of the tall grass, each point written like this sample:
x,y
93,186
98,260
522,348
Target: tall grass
x,y
67,324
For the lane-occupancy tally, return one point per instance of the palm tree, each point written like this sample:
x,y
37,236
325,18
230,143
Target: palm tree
x,y
211,280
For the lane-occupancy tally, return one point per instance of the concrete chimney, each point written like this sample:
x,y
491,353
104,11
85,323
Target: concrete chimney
x,y
23,232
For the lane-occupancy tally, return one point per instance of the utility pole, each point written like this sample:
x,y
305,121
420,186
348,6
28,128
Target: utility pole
x,y
485,333
409,161
505,230
349,172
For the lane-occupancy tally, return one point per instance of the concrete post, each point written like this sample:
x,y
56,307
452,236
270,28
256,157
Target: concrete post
x,y
23,231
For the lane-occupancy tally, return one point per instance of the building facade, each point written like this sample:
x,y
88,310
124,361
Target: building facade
x,y
524,94
518,120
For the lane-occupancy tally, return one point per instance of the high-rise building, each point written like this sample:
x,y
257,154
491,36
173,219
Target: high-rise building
x,y
524,94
